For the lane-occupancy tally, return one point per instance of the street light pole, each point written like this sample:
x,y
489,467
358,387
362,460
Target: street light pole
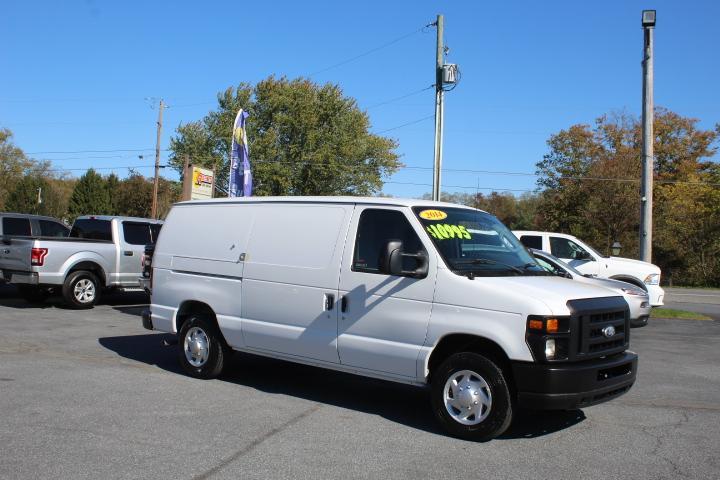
x,y
646,189
439,112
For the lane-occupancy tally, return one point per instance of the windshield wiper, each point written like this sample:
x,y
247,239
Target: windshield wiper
x,y
487,261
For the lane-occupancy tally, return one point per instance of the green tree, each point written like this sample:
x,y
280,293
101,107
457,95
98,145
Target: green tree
x,y
133,196
13,165
90,196
304,139
24,196
112,182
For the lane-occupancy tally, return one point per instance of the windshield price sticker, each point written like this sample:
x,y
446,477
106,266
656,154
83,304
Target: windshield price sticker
x,y
433,215
443,231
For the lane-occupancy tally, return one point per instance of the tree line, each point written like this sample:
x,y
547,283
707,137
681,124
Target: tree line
x,y
588,185
311,139
32,186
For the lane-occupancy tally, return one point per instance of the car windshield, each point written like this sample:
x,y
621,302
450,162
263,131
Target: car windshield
x,y
553,260
476,243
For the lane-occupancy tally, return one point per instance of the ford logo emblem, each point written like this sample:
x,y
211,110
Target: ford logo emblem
x,y
608,331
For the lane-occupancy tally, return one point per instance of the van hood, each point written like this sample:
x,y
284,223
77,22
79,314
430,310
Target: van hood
x,y
533,295
646,266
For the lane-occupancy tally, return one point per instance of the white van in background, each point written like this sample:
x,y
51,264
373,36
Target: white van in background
x,y
411,291
587,260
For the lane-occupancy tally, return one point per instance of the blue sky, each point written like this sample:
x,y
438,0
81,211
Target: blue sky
x,y
76,75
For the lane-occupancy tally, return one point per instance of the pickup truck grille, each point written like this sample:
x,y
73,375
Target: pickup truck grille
x,y
601,327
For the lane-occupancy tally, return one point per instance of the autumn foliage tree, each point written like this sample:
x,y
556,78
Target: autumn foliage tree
x,y
589,187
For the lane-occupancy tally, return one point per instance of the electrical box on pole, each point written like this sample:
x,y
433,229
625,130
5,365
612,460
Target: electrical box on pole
x,y
449,73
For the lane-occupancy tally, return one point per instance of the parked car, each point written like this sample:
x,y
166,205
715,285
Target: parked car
x,y
26,225
637,298
587,260
411,291
101,251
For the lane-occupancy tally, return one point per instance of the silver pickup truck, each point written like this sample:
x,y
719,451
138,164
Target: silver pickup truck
x,y
101,252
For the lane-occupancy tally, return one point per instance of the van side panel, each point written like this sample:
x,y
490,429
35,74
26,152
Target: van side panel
x,y
198,258
291,270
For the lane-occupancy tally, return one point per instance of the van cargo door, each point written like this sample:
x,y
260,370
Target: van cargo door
x,y
290,283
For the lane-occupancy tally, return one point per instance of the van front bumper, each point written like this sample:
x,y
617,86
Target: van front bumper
x,y
574,385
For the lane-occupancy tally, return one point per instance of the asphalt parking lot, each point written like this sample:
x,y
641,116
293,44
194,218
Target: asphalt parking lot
x,y
91,394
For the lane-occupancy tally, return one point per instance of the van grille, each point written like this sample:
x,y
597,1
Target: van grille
x,y
601,327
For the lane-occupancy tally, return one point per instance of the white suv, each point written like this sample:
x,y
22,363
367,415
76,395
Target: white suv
x,y
587,260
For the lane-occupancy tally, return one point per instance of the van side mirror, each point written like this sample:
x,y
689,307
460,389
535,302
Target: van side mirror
x,y
391,261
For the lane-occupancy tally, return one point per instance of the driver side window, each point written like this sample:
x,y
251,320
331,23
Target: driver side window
x,y
565,248
375,228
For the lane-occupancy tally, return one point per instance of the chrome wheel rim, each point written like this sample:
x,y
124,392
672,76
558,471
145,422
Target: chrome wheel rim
x,y
467,397
84,291
196,347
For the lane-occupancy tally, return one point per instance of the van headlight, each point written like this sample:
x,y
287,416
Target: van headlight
x,y
548,337
550,351
652,279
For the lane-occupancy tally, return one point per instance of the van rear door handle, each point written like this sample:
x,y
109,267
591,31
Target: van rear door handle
x,y
128,253
344,304
329,301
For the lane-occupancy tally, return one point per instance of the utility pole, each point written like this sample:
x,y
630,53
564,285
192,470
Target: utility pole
x,y
646,189
153,211
439,112
187,178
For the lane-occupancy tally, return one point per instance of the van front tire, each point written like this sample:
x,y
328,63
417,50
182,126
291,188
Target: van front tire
x,y
202,350
470,397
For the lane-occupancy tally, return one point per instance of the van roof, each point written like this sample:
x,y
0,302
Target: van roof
x,y
111,217
399,202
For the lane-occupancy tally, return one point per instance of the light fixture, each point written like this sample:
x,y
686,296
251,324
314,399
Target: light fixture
x,y
616,248
648,18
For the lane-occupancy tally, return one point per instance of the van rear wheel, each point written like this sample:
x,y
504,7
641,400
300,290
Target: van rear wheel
x,y
471,398
202,349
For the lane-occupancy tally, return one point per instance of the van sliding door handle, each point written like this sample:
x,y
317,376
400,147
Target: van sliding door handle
x,y
128,253
343,304
329,301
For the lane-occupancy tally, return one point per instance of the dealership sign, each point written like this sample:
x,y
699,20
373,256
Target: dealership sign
x,y
203,181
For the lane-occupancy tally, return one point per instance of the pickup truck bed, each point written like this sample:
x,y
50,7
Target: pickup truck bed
x,y
78,266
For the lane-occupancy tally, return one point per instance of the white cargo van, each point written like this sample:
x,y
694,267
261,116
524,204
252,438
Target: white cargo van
x,y
411,291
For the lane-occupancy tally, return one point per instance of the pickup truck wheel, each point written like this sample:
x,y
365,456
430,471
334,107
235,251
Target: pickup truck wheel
x,y
81,289
33,294
470,397
202,350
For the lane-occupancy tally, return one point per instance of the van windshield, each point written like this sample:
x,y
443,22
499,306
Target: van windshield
x,y
476,243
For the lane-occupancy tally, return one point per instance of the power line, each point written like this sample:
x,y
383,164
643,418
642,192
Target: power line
x,y
405,124
372,50
92,151
399,98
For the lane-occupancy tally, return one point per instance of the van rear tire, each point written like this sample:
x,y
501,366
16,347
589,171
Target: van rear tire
x,y
470,397
202,350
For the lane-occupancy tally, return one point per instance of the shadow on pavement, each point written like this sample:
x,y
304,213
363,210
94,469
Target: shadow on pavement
x,y
532,424
125,302
399,403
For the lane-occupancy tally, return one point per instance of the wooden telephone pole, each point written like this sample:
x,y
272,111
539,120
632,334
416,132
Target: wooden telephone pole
x,y
154,210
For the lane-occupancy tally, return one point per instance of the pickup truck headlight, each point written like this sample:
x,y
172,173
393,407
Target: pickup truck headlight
x,y
635,291
652,279
548,337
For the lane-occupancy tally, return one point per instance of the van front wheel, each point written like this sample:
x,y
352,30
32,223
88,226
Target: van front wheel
x,y
202,350
470,397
